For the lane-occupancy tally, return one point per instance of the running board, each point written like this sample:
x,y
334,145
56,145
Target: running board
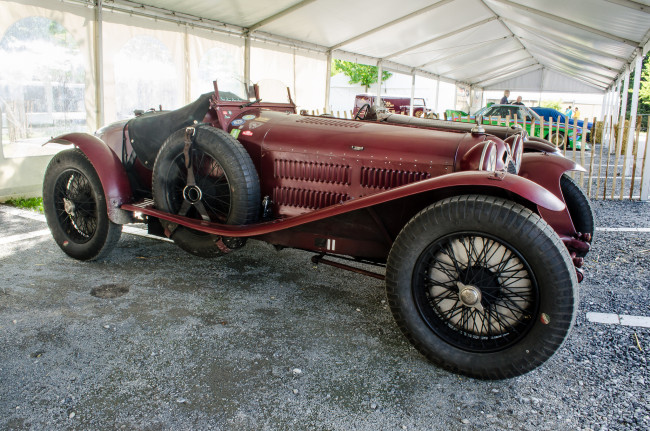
x,y
320,258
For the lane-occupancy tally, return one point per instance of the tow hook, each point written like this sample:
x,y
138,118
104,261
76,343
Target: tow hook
x,y
577,244
580,275
577,261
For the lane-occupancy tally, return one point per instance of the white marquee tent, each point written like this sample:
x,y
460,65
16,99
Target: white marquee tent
x,y
122,54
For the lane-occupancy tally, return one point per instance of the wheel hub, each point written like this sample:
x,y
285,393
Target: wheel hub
x,y
469,295
68,206
192,193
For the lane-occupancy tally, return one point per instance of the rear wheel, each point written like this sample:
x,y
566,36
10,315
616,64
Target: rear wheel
x,y
224,189
482,286
556,139
75,207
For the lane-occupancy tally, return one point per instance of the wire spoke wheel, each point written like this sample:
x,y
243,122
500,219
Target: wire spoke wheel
x,y
482,286
222,187
476,292
75,207
211,188
557,139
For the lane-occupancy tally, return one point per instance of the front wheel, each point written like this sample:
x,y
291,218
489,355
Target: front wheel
x,y
75,207
482,286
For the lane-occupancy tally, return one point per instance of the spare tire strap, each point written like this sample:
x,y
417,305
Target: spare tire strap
x,y
192,194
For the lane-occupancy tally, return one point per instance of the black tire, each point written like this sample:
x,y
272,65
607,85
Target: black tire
x,y
75,207
526,286
227,178
578,205
362,113
556,139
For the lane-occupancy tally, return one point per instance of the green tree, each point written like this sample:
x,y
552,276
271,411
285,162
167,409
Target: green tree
x,y
555,104
359,73
644,91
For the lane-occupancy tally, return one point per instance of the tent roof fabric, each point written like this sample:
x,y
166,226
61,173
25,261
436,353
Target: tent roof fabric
x,y
486,43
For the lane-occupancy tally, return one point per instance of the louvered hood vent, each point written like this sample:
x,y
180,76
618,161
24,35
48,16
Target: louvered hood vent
x,y
389,178
310,199
330,122
310,171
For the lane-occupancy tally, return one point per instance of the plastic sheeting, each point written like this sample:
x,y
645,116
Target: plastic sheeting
x,y
542,81
589,41
480,43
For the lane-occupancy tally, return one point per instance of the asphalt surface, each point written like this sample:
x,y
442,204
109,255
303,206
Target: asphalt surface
x,y
152,338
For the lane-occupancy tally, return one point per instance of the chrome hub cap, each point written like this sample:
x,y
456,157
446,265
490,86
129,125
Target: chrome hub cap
x,y
68,206
192,193
470,296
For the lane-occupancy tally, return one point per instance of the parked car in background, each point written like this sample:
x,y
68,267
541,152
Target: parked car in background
x,y
395,104
531,121
450,113
548,113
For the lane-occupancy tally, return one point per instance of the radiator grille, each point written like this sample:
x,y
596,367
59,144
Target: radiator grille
x,y
310,171
330,122
389,178
303,198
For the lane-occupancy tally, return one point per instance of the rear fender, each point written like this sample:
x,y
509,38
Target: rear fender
x,y
108,166
546,170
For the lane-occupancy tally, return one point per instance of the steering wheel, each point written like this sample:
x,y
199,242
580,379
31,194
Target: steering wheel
x,y
364,109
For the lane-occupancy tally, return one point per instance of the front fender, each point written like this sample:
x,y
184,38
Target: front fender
x,y
546,170
535,144
108,166
522,187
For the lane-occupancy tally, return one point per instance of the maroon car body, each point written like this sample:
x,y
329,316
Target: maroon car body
x,y
358,190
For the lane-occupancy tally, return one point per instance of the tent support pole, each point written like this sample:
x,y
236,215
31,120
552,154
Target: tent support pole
x,y
247,60
99,66
411,113
541,88
328,80
186,66
621,121
635,104
615,114
435,106
380,73
605,114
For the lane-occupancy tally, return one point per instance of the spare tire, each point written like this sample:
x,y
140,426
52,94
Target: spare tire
x,y
226,188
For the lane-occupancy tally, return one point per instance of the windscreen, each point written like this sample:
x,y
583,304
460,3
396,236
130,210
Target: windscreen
x,y
270,91
273,91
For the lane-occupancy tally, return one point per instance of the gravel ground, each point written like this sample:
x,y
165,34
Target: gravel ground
x,y
261,339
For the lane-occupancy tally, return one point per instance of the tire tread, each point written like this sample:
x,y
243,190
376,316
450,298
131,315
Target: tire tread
x,y
515,218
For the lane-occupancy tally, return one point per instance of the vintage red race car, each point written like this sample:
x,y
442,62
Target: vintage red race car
x,y
395,104
479,241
